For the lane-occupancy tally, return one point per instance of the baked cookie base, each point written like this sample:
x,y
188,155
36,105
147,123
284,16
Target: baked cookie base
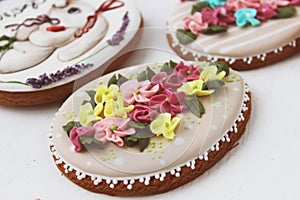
x,y
244,64
156,186
39,97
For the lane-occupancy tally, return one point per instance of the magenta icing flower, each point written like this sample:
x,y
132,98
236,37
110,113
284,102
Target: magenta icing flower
x,y
237,4
113,130
188,71
275,3
143,113
134,91
168,102
265,12
195,23
76,133
220,16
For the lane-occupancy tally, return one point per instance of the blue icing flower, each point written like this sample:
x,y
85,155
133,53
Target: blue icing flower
x,y
215,3
246,15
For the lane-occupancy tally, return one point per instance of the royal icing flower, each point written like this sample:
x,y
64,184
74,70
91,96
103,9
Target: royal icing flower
x,y
265,12
188,71
245,16
113,130
103,94
220,16
76,133
134,91
116,108
194,23
164,80
215,3
87,115
165,125
194,87
168,101
211,73
142,113
238,4
275,3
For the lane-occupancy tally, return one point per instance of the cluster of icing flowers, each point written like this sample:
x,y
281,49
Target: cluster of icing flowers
x,y
126,108
213,16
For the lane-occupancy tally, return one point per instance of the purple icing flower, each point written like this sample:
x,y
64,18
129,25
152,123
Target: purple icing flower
x,y
265,12
168,102
119,35
44,79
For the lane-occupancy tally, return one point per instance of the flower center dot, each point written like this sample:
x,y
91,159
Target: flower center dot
x,y
137,91
248,15
164,79
113,127
106,92
188,72
195,87
167,124
167,99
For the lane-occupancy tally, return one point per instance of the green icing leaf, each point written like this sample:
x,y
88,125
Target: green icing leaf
x,y
144,133
185,36
150,73
90,140
91,94
131,141
112,80
9,42
70,125
137,125
213,85
214,29
195,106
222,66
172,64
285,12
143,143
142,76
121,79
198,7
167,69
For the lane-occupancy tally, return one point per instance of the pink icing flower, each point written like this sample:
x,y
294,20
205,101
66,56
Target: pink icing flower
x,y
195,23
188,71
113,130
174,80
76,133
168,101
142,113
265,12
294,2
220,16
275,3
134,91
237,4
109,129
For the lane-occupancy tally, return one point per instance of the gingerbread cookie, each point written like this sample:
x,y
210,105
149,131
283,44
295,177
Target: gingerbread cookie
x,y
246,34
151,128
46,45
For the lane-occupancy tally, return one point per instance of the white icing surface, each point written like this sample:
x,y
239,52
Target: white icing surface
x,y
124,168
238,43
52,64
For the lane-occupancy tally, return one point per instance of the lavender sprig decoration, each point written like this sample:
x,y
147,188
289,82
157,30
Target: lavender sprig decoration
x,y
119,35
44,79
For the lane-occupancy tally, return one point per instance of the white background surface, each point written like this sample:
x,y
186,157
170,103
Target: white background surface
x,y
265,166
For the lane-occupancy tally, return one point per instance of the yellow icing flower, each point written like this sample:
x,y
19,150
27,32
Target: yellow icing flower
x,y
116,108
211,73
87,115
164,125
194,87
103,94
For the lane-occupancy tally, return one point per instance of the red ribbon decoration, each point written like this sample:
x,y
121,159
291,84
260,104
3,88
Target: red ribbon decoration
x,y
91,20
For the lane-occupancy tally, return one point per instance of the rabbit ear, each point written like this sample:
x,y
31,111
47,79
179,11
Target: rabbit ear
x,y
61,3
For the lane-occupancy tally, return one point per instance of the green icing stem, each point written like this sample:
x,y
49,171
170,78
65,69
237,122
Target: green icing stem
x,y
14,82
